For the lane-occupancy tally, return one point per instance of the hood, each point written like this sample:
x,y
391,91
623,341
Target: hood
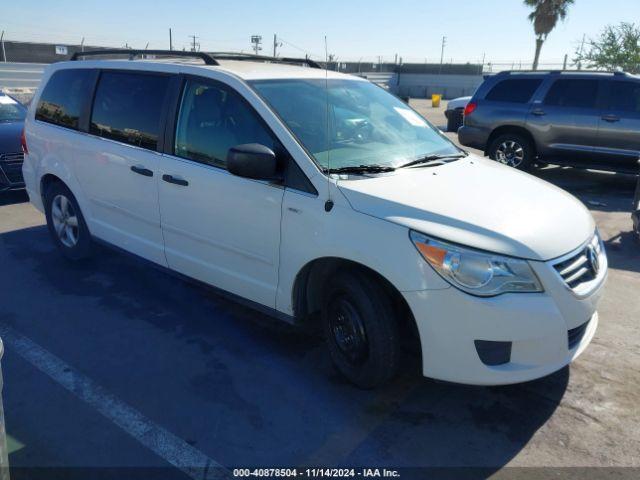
x,y
477,203
10,137
460,102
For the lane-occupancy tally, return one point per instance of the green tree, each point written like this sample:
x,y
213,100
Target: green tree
x,y
617,47
544,17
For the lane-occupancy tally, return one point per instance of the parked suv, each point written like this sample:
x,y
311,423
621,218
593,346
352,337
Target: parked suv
x,y
580,119
318,197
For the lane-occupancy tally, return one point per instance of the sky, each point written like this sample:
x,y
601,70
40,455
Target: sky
x,y
497,30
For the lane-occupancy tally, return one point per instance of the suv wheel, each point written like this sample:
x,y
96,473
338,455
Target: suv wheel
x,y
66,223
513,150
360,329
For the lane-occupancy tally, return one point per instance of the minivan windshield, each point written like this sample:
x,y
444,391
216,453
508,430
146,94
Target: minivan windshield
x,y
367,127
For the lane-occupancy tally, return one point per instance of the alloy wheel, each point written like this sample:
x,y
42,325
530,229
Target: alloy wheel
x,y
65,220
510,153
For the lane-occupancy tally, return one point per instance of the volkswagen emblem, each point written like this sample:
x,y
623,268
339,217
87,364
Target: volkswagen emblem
x,y
594,261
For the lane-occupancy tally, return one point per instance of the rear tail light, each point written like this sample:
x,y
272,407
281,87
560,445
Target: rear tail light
x,y
470,108
23,142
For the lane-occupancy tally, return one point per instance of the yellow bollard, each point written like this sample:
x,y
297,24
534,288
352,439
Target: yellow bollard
x,y
435,100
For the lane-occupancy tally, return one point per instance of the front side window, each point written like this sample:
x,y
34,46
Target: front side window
x,y
212,119
514,90
10,110
63,97
128,107
573,93
625,96
350,123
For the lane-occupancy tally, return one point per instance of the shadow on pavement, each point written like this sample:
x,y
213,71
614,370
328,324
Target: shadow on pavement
x,y
242,388
12,197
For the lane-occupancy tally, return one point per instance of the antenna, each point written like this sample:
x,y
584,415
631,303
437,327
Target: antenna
x,y
328,205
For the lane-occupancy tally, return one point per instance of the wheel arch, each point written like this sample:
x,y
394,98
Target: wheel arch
x,y
308,287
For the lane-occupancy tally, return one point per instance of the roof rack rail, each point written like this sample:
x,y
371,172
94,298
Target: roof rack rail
x,y
264,58
206,58
557,72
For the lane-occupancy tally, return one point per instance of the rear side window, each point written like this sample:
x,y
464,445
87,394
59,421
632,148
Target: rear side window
x,y
573,93
213,119
625,96
128,107
63,97
518,90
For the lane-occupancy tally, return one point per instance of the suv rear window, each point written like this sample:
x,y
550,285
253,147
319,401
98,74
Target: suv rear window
x,y
517,90
580,93
625,96
63,97
128,107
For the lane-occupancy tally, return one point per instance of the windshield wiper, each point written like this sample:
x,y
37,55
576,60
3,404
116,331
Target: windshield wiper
x,y
361,169
429,160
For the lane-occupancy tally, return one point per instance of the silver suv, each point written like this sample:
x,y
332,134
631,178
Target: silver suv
x,y
580,119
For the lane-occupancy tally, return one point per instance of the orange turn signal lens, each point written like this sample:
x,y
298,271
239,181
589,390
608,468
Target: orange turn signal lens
x,y
432,254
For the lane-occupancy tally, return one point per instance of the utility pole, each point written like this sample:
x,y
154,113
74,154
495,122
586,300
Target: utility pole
x,y
195,46
256,41
444,42
170,41
584,35
82,45
564,64
4,53
276,45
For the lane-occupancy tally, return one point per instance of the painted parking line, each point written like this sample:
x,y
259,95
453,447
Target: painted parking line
x,y
163,443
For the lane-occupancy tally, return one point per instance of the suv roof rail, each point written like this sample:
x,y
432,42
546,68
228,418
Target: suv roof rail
x,y
264,58
557,72
206,58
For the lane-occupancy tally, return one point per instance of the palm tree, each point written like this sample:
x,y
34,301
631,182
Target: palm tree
x,y
544,17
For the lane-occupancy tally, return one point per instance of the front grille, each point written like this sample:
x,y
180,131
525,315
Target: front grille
x,y
581,267
574,336
11,167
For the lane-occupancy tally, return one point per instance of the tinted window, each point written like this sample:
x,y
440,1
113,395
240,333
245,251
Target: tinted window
x,y
128,107
63,97
514,90
573,93
213,119
625,96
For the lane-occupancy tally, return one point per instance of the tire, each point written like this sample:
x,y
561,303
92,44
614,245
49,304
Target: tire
x,y
66,223
360,328
512,149
454,122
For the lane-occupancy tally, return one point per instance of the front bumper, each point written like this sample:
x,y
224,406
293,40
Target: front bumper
x,y
539,328
11,171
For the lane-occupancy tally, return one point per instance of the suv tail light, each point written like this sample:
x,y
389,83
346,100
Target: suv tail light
x,y
23,142
470,108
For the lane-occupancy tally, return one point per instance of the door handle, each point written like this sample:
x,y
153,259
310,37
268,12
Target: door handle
x,y
537,112
175,180
610,118
142,171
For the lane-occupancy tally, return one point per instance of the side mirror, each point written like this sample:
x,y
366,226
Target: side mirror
x,y
253,160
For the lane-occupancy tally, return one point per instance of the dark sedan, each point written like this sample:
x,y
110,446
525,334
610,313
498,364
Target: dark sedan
x,y
12,115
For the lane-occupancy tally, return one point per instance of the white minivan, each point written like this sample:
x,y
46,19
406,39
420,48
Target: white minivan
x,y
319,198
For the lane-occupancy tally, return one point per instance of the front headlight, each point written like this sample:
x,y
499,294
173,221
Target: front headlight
x,y
475,272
